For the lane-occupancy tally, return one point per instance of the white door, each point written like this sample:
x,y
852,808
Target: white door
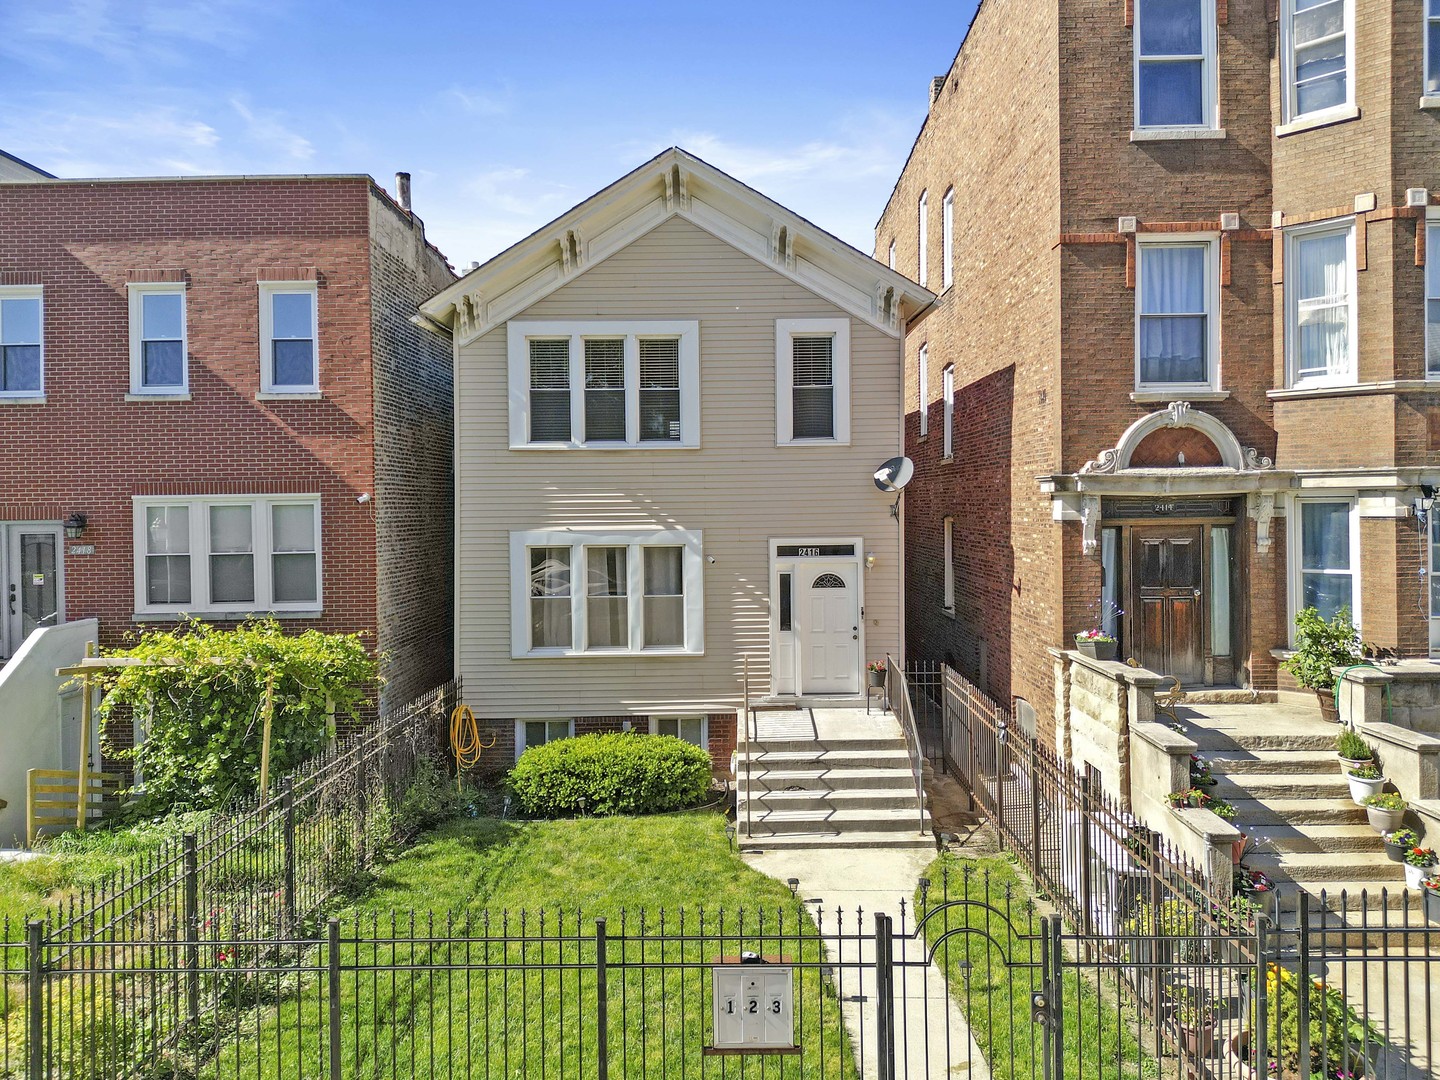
x,y
829,628
32,595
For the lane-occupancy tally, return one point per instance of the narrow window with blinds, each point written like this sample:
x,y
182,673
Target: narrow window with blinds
x,y
604,390
813,400
659,389
550,390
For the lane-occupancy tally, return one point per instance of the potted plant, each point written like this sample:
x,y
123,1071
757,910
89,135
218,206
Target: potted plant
x,y
1385,811
1430,897
875,670
1366,780
1257,889
1096,643
1399,842
1195,1019
1418,863
1200,774
1341,1043
1353,751
1320,647
1195,798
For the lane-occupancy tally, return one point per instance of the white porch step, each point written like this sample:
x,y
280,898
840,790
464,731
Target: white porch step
x,y
819,820
853,838
843,799
783,780
817,757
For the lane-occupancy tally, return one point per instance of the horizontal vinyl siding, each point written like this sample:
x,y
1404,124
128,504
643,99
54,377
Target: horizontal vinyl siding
x,y
739,489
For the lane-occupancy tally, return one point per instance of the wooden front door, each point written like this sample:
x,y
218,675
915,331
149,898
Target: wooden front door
x,y
1169,599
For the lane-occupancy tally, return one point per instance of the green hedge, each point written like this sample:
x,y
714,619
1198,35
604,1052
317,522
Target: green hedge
x,y
619,773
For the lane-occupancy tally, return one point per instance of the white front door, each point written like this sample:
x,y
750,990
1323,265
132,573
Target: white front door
x,y
828,628
32,595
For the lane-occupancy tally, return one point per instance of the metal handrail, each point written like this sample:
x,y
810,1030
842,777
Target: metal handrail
x,y
905,713
748,746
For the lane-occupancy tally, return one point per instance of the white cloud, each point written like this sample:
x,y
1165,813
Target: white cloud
x,y
134,35
265,128
478,102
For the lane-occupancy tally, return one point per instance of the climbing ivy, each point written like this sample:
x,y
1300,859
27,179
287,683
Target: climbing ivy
x,y
201,707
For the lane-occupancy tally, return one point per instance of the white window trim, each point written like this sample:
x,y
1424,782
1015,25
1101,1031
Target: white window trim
x,y
1343,111
891,258
923,238
1430,61
947,238
785,330
1209,76
520,746
1432,251
1211,242
1296,556
517,337
923,365
704,743
28,292
262,525
634,540
269,289
1344,378
947,597
138,291
947,379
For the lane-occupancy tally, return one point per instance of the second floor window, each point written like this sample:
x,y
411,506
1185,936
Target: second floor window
x,y
1432,301
1432,48
1174,63
812,361
923,214
1316,56
948,390
288,333
157,339
21,348
1320,304
947,238
1175,324
924,380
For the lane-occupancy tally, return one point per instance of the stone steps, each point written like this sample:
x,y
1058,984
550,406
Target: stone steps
x,y
820,820
1273,762
1313,839
827,779
1280,786
1306,812
852,838
1312,868
1212,741
839,799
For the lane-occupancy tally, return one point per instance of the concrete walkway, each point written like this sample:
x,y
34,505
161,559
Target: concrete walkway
x,y
930,1030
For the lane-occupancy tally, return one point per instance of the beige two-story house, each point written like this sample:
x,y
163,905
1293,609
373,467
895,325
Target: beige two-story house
x,y
671,403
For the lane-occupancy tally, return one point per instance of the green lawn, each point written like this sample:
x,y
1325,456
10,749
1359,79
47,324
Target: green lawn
x,y
472,880
988,966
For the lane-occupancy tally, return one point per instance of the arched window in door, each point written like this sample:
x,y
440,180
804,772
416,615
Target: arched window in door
x,y
829,581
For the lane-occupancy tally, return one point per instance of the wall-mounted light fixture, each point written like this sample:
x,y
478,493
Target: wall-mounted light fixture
x,y
869,560
1423,505
75,525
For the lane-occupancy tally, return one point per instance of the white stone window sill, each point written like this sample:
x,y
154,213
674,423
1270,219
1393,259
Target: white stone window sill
x,y
658,444
304,395
1324,118
948,459
225,616
157,397
1341,389
32,399
1175,134
1147,397
604,654
1430,101
948,612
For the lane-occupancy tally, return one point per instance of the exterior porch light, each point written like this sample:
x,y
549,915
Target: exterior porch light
x,y
869,560
1423,505
75,525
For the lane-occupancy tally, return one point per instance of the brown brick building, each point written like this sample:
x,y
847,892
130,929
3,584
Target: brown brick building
x,y
1178,365
213,403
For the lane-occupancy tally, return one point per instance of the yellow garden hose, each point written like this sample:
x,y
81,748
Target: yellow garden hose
x,y
465,741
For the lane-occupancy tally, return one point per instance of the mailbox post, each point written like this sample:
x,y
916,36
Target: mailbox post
x,y
753,1002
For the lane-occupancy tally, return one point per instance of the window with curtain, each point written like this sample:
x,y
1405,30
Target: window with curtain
x,y
813,394
1432,298
1326,571
1110,582
232,554
167,554
947,383
1316,40
659,389
664,619
947,238
295,553
550,611
607,605
20,341
1174,55
1432,48
549,390
604,390
924,379
1319,291
1174,318
923,212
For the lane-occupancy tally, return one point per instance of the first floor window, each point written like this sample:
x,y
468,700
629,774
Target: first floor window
x,y
923,378
947,389
690,728
1434,575
1174,299
539,732
1174,49
948,593
1327,579
813,367
641,593
1432,298
228,554
1316,41
1320,303
1432,48
288,335
157,338
21,368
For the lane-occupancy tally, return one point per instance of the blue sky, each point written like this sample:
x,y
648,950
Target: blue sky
x,y
505,114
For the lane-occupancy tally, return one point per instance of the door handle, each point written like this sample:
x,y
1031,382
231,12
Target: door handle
x,y
1197,594
12,599
854,633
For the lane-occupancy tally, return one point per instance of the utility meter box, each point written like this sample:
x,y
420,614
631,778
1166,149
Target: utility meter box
x,y
754,1006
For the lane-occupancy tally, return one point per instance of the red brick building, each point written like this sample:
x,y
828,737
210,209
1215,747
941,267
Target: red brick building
x,y
1178,365
213,403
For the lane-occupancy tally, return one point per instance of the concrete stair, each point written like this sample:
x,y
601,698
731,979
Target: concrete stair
x,y
849,786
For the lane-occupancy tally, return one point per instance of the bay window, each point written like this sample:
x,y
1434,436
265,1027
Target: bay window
x,y
1175,64
1320,304
1176,338
641,593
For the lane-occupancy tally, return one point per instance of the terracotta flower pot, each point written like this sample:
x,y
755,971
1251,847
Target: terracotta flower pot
x,y
1328,709
1199,1042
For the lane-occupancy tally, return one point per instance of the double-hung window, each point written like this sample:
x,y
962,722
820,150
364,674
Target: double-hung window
x,y
1317,57
604,385
22,350
947,238
1176,328
227,554
1432,48
690,728
923,378
947,391
158,362
922,211
947,595
1432,298
289,336
1325,574
631,592
1320,304
1434,576
812,360
1175,64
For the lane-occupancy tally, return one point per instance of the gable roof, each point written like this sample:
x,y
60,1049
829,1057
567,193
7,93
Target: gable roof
x,y
675,183
13,168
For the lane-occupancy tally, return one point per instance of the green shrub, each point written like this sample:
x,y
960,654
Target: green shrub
x,y
1321,646
1353,747
612,774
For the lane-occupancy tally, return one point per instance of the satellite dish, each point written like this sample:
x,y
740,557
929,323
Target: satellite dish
x,y
894,474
